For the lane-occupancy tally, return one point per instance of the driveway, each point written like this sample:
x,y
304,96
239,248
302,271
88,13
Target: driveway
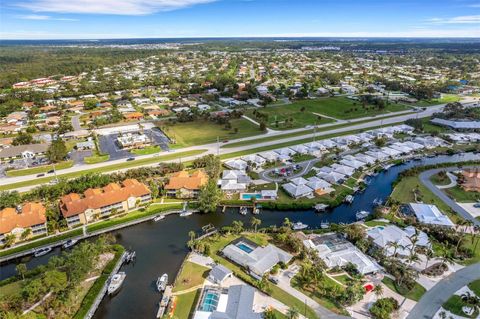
x,y
433,299
306,167
109,146
76,123
425,179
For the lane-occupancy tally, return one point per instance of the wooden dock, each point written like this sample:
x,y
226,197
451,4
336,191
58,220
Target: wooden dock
x,y
163,304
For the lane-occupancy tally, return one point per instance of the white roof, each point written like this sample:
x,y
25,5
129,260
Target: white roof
x,y
332,177
299,181
352,163
383,236
297,190
430,214
342,169
237,164
318,183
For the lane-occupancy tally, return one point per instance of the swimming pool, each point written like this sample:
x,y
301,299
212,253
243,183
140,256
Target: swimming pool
x,y
245,247
249,196
210,301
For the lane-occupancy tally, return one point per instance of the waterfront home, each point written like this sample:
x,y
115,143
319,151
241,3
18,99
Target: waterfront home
x,y
343,169
430,214
470,180
183,185
364,158
404,149
237,164
336,251
219,274
377,155
297,191
256,259
234,181
27,220
390,151
319,185
102,202
269,194
24,151
234,302
353,163
332,177
414,146
385,237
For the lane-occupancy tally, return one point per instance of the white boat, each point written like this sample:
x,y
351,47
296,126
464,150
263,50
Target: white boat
x,y
185,213
162,282
116,282
377,202
243,210
299,226
69,243
320,207
349,199
324,225
158,218
362,215
41,251
256,211
130,256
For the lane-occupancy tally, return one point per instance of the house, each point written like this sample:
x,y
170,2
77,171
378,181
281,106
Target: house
x,y
297,190
237,164
430,214
234,302
24,151
133,140
332,177
256,259
28,217
457,125
364,158
385,237
133,116
219,274
471,180
183,185
319,186
234,181
269,194
336,251
343,169
102,202
254,160
86,145
353,163
269,156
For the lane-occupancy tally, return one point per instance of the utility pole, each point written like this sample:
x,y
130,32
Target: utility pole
x,y
218,146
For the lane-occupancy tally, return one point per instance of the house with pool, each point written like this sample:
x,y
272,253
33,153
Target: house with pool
x,y
256,259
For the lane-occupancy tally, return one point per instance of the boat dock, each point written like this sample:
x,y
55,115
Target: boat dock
x,y
163,304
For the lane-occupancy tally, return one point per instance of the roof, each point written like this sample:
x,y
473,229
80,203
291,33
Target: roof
x,y
219,273
239,304
383,236
430,214
474,125
94,198
30,214
182,180
14,151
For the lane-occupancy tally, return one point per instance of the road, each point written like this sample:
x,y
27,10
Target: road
x,y
76,123
425,179
212,148
433,299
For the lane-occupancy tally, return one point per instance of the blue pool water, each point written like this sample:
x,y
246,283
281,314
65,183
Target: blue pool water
x,y
245,248
248,196
210,302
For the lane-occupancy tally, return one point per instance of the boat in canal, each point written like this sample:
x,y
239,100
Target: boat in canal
x,y
377,202
69,243
130,256
349,199
186,213
320,207
299,226
116,282
162,282
243,210
324,225
158,218
361,215
41,251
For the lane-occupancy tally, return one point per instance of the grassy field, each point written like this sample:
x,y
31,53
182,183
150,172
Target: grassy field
x,y
475,287
447,98
105,169
440,179
192,275
147,150
415,294
96,159
460,195
12,289
337,107
184,304
39,170
204,132
454,304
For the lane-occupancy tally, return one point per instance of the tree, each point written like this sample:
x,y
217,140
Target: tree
x,y
383,308
21,270
263,126
57,151
55,280
293,313
378,290
22,139
209,197
255,222
237,226
269,314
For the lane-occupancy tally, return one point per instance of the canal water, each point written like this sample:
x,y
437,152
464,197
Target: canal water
x,y
161,248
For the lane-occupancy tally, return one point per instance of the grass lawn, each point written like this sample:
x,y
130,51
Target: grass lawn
x,y
105,169
192,275
454,304
147,150
185,303
39,169
279,315
96,159
447,98
344,279
476,253
205,132
336,107
415,294
403,192
440,179
373,223
460,195
11,289
475,287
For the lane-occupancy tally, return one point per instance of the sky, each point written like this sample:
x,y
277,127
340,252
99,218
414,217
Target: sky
x,y
106,19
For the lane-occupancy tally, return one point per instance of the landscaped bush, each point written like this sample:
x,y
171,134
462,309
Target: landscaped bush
x,y
383,308
435,270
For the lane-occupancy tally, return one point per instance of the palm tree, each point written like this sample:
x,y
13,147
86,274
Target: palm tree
x,y
429,255
395,246
287,223
471,299
378,290
412,258
255,222
446,255
293,313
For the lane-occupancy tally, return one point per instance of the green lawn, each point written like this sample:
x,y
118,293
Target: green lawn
x,y
96,159
460,195
11,289
415,294
205,132
344,279
475,287
105,169
147,150
373,223
454,304
39,169
447,98
192,275
440,179
184,304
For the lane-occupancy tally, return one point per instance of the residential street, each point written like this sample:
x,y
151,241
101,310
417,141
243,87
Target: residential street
x,y
433,299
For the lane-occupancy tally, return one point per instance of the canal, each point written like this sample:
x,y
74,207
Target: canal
x,y
161,246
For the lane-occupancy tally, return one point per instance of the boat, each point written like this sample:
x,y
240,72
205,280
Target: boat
x,y
243,210
349,199
362,215
377,202
130,256
41,251
299,226
185,213
69,243
162,282
320,207
158,218
256,211
324,225
116,282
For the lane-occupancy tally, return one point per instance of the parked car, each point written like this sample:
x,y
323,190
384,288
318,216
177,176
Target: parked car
x,y
477,205
50,171
40,175
130,159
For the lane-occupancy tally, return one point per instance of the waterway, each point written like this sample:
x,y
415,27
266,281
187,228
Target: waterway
x,y
161,246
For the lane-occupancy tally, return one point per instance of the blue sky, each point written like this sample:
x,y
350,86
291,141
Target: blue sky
x,y
96,19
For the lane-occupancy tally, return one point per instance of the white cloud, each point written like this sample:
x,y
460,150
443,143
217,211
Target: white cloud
x,y
43,17
472,19
120,7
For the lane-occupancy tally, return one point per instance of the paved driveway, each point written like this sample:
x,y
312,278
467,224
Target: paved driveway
x,y
306,167
109,146
433,299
